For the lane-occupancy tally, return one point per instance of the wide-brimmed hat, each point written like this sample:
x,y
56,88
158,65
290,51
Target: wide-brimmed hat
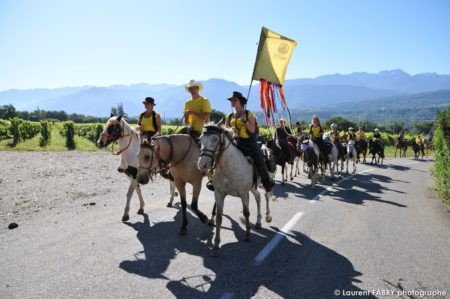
x,y
149,100
238,95
193,83
350,129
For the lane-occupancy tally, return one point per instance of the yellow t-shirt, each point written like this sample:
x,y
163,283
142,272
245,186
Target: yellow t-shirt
x,y
147,123
419,140
360,135
334,135
238,123
201,105
315,131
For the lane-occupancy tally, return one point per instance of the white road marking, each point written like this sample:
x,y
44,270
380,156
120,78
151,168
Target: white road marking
x,y
315,198
259,259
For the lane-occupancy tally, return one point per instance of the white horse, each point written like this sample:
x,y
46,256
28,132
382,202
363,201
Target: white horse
x,y
117,129
332,157
233,175
352,154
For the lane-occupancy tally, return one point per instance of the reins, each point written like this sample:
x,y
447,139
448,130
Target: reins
x,y
158,155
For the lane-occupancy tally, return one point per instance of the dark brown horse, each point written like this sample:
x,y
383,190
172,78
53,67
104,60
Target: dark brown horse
x,y
402,146
361,147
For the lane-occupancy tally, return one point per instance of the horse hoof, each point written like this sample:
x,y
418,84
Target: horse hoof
x,y
211,223
169,205
258,225
214,252
246,238
268,219
141,212
125,218
183,232
292,178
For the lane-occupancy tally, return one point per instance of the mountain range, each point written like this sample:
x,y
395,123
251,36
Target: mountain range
x,y
367,91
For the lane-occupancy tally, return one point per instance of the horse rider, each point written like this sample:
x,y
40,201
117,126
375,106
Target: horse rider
x,y
334,134
360,139
377,137
400,137
243,123
351,135
316,134
149,122
281,138
430,136
360,136
196,110
298,130
419,142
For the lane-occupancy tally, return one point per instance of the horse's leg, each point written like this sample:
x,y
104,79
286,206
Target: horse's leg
x,y
211,221
258,206
219,198
246,212
172,193
395,153
282,174
292,168
141,200
347,160
324,170
181,186
354,165
197,186
126,214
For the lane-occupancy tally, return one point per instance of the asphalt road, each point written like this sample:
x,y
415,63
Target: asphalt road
x,y
381,230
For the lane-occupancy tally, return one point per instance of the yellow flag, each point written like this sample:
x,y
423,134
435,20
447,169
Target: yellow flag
x,y
272,59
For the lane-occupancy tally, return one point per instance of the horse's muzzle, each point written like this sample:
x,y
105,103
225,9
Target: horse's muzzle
x,y
202,164
142,179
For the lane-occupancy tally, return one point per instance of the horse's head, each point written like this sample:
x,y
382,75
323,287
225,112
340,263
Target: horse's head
x,y
271,143
328,138
147,161
210,141
113,131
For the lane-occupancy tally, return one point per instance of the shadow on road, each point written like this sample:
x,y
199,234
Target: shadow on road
x,y
298,268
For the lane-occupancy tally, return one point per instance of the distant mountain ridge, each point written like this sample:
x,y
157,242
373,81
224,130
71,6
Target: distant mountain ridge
x,y
324,91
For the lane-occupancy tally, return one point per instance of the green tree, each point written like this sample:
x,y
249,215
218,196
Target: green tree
x,y
7,112
342,123
216,116
423,127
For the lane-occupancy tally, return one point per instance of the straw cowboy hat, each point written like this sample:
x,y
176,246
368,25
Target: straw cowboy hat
x,y
193,83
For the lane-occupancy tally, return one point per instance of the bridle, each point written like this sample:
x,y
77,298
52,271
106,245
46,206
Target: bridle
x,y
216,153
117,132
163,165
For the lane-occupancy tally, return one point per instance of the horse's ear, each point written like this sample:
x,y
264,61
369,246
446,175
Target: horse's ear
x,y
119,118
112,114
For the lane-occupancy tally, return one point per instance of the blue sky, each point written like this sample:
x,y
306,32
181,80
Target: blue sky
x,y
71,43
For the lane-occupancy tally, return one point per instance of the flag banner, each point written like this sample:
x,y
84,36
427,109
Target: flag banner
x,y
273,56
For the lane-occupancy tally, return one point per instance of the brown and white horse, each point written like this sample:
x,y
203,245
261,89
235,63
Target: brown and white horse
x,y
117,129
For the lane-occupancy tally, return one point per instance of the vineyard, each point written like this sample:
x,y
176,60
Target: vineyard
x,y
44,135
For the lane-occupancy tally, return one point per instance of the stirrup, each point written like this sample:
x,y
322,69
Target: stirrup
x,y
210,186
